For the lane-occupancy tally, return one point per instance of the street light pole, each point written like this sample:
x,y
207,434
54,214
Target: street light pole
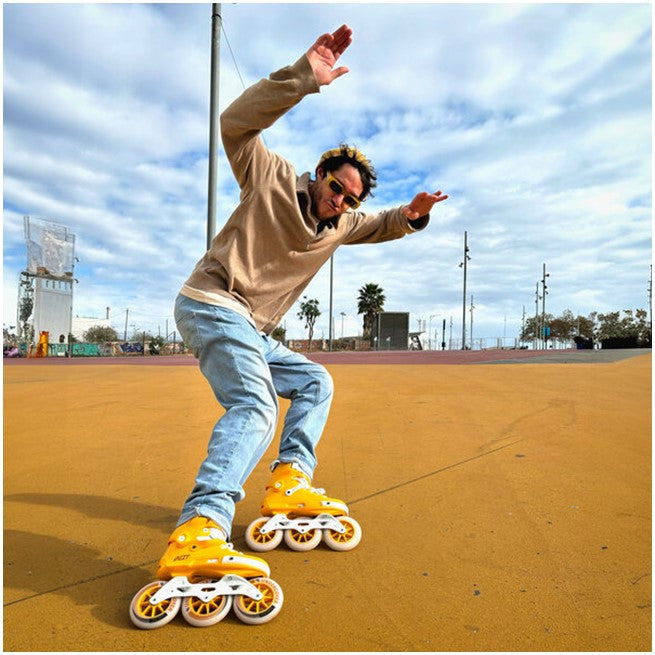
x,y
543,305
331,285
650,302
472,308
430,330
213,121
464,264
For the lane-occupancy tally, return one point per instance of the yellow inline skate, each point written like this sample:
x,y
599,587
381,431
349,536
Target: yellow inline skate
x,y
206,577
300,514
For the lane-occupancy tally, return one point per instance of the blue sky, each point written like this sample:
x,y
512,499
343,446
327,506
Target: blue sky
x,y
534,118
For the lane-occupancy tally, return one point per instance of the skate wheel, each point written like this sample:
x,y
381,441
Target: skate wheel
x,y
260,611
302,541
262,542
203,614
147,616
347,540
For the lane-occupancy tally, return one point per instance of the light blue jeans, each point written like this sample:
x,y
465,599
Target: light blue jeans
x,y
247,371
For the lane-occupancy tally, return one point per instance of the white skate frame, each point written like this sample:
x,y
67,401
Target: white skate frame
x,y
228,585
302,524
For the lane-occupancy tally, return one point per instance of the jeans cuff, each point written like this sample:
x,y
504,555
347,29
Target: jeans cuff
x,y
223,522
306,468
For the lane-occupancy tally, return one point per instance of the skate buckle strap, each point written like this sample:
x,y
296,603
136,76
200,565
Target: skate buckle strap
x,y
303,484
228,585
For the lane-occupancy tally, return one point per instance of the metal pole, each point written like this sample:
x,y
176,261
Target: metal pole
x,y
70,324
331,286
466,257
450,333
536,318
650,303
213,121
543,306
472,308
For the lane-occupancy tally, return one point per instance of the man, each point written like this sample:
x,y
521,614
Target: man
x,y
283,230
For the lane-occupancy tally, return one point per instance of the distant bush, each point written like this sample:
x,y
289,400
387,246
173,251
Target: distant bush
x,y
100,334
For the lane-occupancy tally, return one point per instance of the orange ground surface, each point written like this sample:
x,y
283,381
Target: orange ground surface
x,y
504,507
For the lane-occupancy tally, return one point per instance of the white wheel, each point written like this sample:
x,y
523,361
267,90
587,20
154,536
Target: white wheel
x,y
147,616
260,611
203,614
347,540
262,542
302,541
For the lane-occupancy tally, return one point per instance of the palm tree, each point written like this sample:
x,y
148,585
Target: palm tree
x,y
370,303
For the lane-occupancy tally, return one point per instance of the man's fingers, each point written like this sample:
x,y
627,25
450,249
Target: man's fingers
x,y
342,38
338,72
410,213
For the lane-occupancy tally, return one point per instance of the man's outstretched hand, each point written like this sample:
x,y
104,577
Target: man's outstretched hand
x,y
422,204
324,53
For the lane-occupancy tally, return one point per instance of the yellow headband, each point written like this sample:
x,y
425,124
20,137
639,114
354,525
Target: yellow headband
x,y
353,153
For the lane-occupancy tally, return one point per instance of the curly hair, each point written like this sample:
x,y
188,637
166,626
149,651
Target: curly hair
x,y
345,154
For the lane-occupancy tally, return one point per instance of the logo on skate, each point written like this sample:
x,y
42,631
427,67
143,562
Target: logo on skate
x,y
177,558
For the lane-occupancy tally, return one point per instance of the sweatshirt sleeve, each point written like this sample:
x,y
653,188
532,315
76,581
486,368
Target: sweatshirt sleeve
x,y
387,225
257,108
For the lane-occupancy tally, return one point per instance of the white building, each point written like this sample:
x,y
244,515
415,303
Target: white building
x,y
53,301
82,323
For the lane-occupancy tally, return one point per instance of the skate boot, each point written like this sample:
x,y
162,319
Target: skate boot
x,y
301,515
205,576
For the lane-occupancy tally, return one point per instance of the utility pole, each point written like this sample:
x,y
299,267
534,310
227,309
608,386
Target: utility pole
x,y
331,285
543,305
650,302
472,308
464,264
127,311
450,335
213,121
536,318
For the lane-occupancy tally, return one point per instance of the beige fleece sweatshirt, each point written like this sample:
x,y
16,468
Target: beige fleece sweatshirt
x,y
270,249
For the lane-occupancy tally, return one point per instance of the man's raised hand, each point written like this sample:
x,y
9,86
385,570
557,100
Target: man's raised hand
x,y
422,204
324,53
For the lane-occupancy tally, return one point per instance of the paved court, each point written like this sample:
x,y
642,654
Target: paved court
x,y
505,507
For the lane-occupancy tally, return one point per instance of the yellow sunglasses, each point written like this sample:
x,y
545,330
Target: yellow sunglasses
x,y
352,201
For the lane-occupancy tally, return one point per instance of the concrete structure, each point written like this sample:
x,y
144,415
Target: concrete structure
x,y
46,286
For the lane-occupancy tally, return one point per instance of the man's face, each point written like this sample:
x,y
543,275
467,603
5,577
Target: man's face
x,y
327,203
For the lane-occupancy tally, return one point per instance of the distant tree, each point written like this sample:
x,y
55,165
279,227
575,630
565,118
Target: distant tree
x,y
370,302
630,330
156,345
9,338
100,334
279,334
142,336
309,312
585,326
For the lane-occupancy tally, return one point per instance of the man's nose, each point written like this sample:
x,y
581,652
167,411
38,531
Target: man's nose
x,y
339,198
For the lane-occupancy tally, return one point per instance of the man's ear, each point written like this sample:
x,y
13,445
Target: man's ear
x,y
319,173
